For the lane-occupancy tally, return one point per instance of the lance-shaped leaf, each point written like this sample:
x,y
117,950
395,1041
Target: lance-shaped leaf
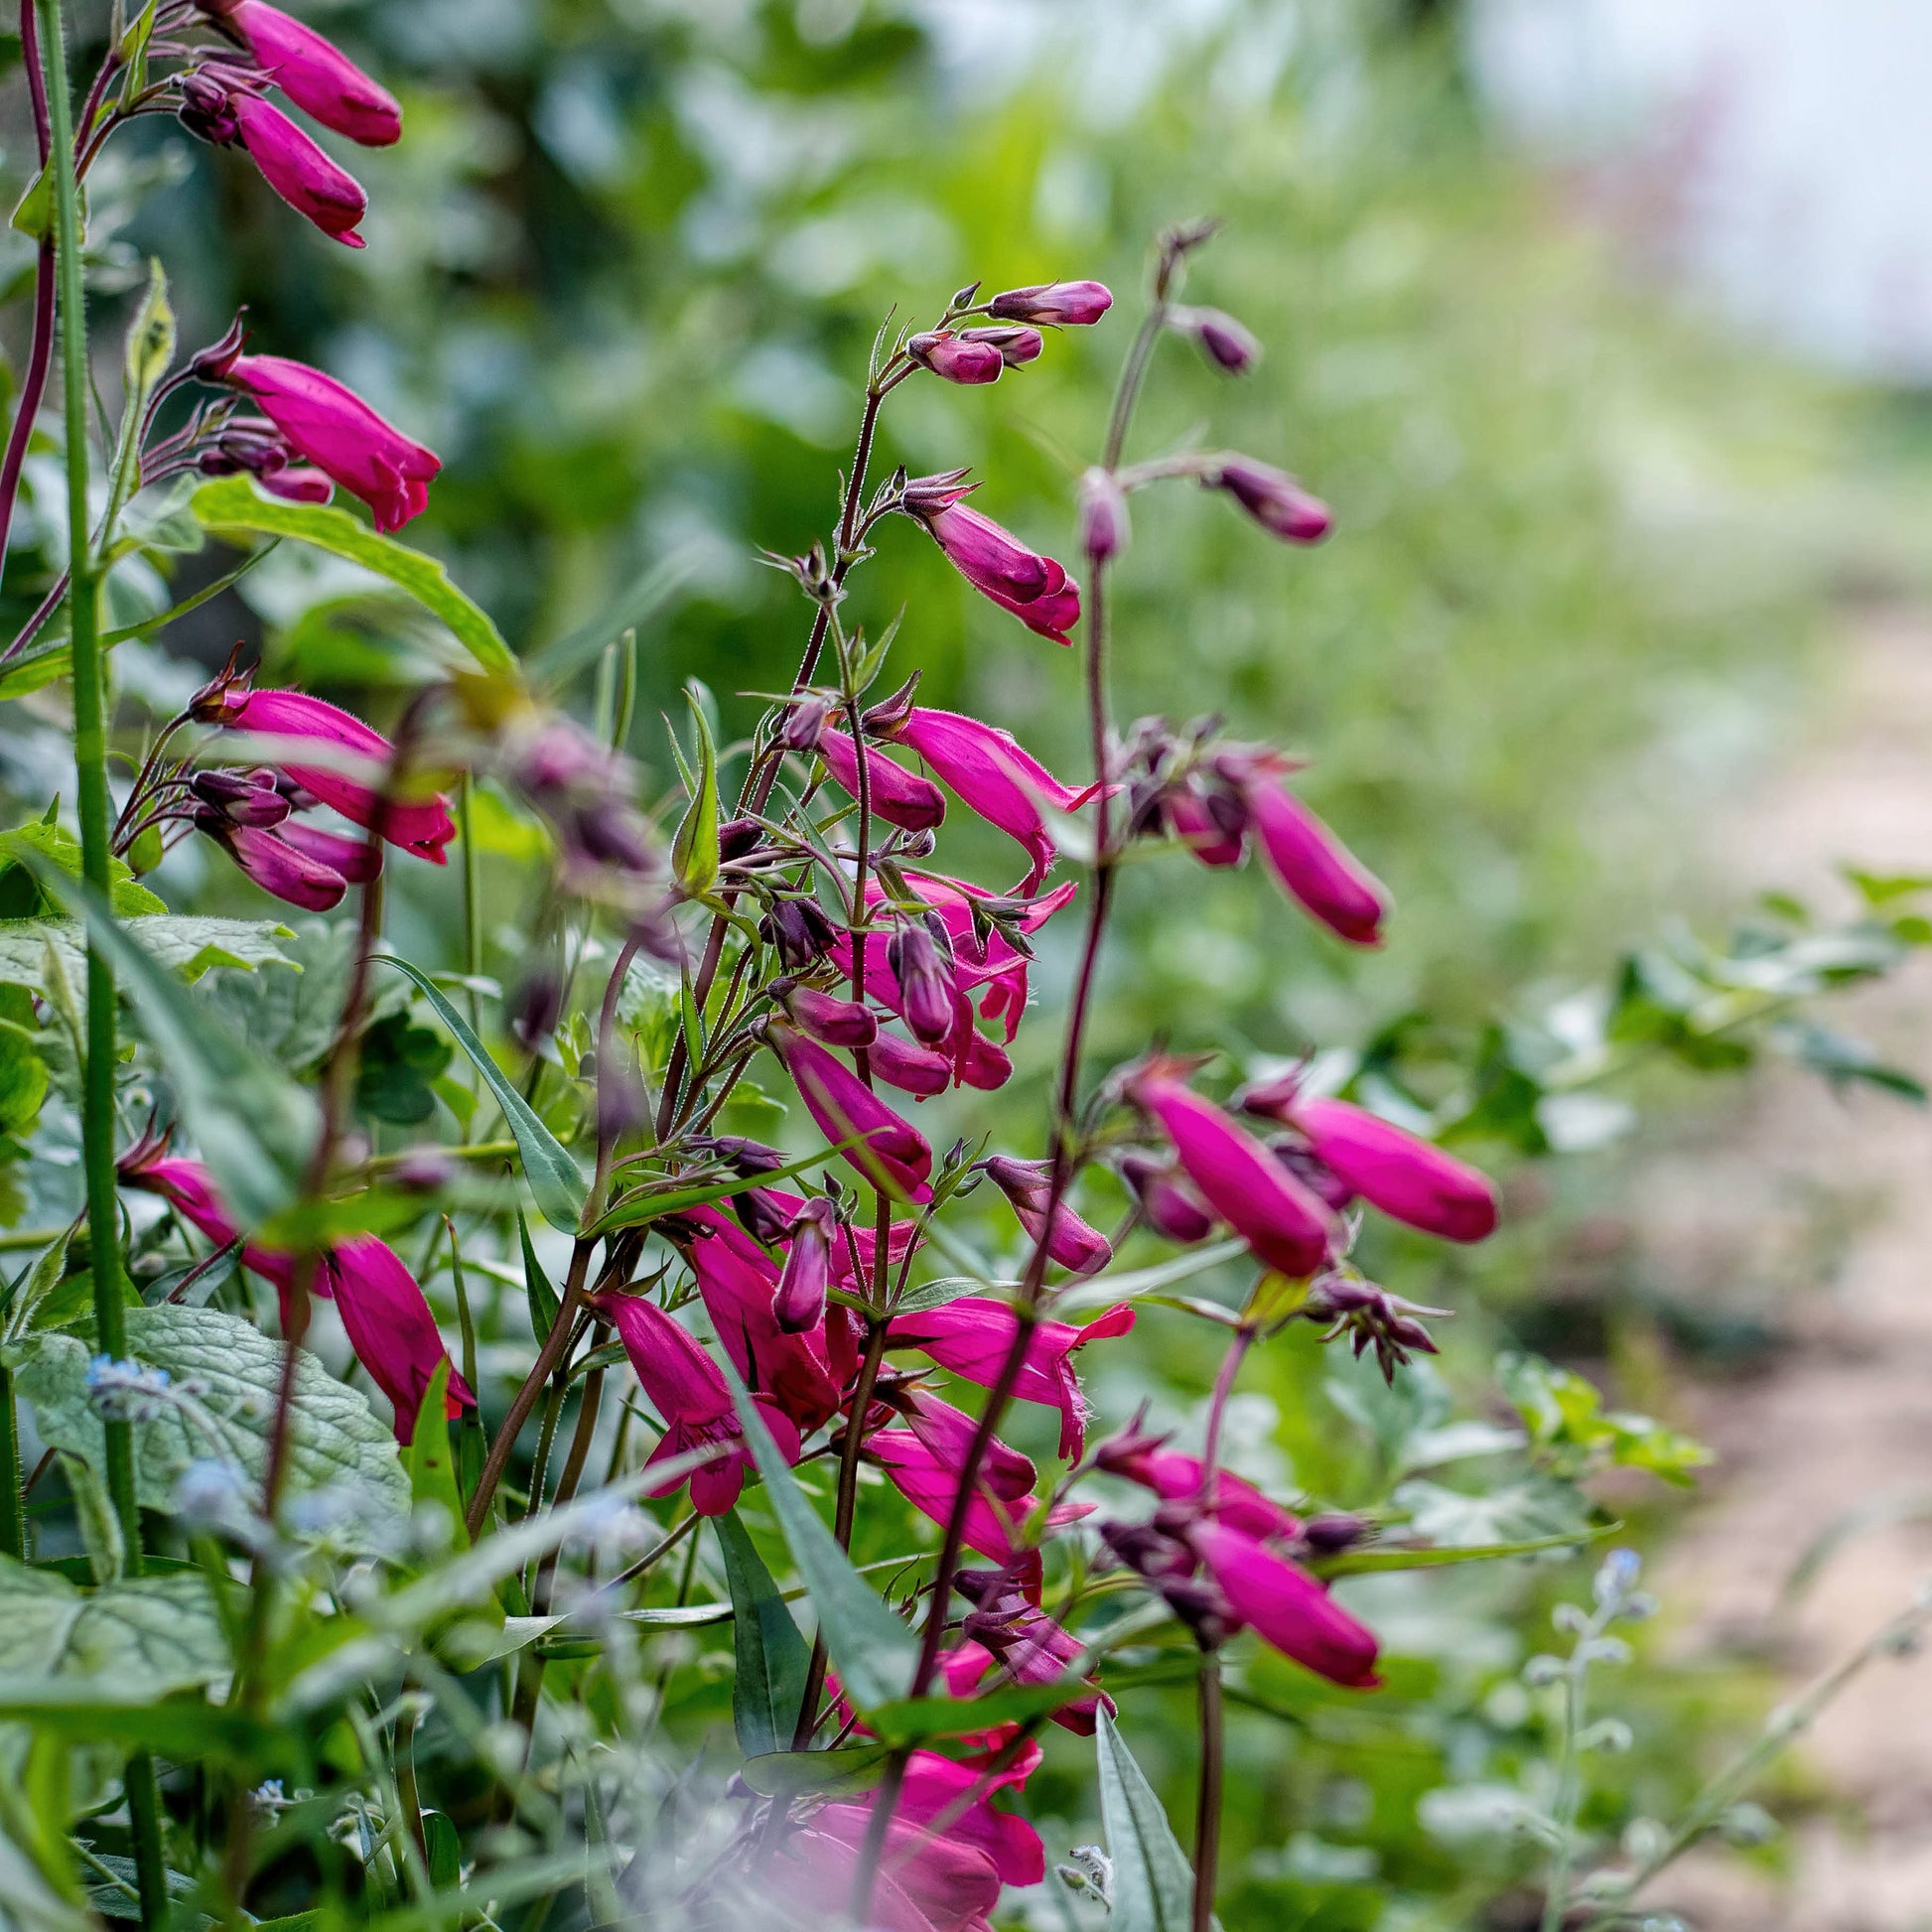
x,y
556,1182
694,851
1154,1883
432,1467
772,1656
875,1652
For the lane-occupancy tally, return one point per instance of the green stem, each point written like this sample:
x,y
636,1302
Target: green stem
x,y
90,763
13,1516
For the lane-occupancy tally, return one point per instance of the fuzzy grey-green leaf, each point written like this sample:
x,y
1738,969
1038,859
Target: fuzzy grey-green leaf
x,y
144,1633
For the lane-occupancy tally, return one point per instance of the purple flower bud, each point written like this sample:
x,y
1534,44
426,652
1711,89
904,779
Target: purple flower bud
x,y
925,984
890,715
1146,1550
804,718
534,1007
1104,528
1212,824
955,358
1330,1535
764,1216
1222,340
835,1022
1272,497
739,838
799,931
1063,304
1312,1172
911,1069
808,1267
741,1156
1168,1205
240,799
1017,346
1029,1185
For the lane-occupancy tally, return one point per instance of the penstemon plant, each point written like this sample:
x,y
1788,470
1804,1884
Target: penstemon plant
x,y
410,1662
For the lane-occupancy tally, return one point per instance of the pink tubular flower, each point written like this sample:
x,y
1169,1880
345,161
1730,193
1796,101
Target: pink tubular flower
x,y
1059,303
912,1069
972,1337
314,73
1272,497
1017,346
954,358
1403,1175
1289,1610
1168,1205
899,796
810,1235
1036,589
1314,868
1176,1478
299,171
996,777
1279,1218
887,1149
422,828
336,429
936,1787
1213,827
924,1882
1029,1185
1029,1646
688,1390
829,1019
276,864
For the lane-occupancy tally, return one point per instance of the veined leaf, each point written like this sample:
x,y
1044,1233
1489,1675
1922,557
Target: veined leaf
x,y
188,946
542,1298
773,1658
556,1184
232,508
874,1651
1154,1883
143,1636
840,1773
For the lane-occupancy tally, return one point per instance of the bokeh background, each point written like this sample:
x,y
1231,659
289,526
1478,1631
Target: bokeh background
x,y
1603,327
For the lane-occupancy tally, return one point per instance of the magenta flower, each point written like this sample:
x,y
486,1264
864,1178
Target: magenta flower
x,y
954,358
1314,868
298,171
938,1787
422,827
923,976
1213,825
1017,346
1279,1219
331,426
1029,1185
925,1881
930,1483
829,1019
1036,589
809,1239
899,796
275,864
1061,304
996,777
1403,1175
314,73
1168,1205
1223,341
979,1063
1272,497
1288,1608
1176,1478
887,1149
1030,1647
687,1389
912,1069
972,1337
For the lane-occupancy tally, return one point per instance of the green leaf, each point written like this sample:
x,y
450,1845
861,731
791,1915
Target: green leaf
x,y
432,1467
224,1374
542,1298
184,1727
50,843
694,851
641,1206
395,1070
876,1652
1359,1562
188,946
143,1636
1154,1883
232,509
1527,1511
841,1773
23,1081
556,1184
772,1656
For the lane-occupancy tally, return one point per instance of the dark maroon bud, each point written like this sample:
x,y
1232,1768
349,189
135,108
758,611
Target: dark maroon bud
x,y
213,362
1201,1608
1222,340
918,845
924,979
798,930
1271,1099
1313,1173
1018,345
240,799
1336,1296
739,838
1029,1185
764,1217
887,717
1328,1535
1146,1550
741,1156
207,111
808,1267
1168,1206
534,1007
804,720
1407,1333
1104,527
926,497
1123,1452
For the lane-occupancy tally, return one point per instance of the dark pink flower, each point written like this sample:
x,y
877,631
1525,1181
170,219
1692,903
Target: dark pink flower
x,y
1403,1175
1288,1608
1272,498
1029,1185
314,73
1057,303
421,827
1168,1205
336,429
954,358
924,1882
1017,346
978,1062
688,1390
1279,1219
887,1149
973,1337
1176,1478
830,1020
809,1240
355,859
1314,868
923,976
298,170
929,1482
910,1068
1223,341
1030,1647
996,777
938,1787
1036,589
1213,825
899,796
275,864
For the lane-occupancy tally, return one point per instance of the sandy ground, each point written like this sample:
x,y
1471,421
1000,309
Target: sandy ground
x,y
1845,1417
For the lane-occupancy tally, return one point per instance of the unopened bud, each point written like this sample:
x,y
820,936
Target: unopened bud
x,y
1223,341
1104,528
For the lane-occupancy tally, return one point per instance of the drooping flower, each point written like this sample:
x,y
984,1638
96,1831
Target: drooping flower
x,y
1226,343
973,1337
1168,1205
225,114
1176,1478
423,827
808,1274
1272,497
1285,1225
1287,1607
1017,346
1395,1170
331,426
1061,304
1036,589
313,72
828,1019
1314,868
275,864
954,358
886,1148
899,796
1030,1647
923,976
1029,1185
689,1392
910,1068
925,1880
996,777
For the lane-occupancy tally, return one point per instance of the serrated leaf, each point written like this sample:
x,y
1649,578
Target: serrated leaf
x,y
49,842
231,508
557,1185
772,1659
188,946
1154,1883
152,1634
225,1374
876,1653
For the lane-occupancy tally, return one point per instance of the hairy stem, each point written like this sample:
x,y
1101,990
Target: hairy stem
x,y
1207,1808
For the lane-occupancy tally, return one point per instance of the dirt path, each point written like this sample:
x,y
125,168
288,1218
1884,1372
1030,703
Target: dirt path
x,y
1846,1417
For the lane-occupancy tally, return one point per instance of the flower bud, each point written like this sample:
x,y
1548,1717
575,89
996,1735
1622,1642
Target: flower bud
x,y
240,799
800,931
1272,497
1061,304
804,718
808,1267
1222,340
890,715
911,1069
764,1216
1212,824
740,1155
955,358
1168,1205
739,838
1029,1185
1313,1171
925,982
1104,528
1330,1535
835,1022
1017,346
